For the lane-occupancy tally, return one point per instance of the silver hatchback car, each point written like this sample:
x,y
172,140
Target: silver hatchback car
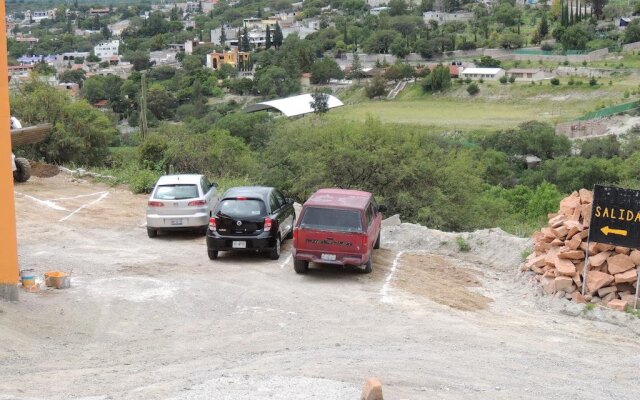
x,y
180,202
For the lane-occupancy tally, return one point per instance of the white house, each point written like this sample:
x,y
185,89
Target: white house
x,y
443,17
482,73
106,50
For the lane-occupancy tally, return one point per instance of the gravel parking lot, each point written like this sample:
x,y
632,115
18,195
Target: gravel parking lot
x,y
155,318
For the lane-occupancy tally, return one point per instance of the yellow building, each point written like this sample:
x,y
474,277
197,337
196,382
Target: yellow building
x,y
233,57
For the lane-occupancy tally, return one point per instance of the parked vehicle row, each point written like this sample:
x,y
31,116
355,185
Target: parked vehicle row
x,y
336,226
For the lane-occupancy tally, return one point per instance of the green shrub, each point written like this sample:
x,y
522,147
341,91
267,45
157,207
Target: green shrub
x,y
555,81
463,245
473,89
503,79
512,79
593,81
143,181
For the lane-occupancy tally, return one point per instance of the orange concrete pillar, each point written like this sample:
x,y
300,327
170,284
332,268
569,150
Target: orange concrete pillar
x,y
8,238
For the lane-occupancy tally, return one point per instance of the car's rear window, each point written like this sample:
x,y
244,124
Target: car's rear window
x,y
331,219
176,192
235,208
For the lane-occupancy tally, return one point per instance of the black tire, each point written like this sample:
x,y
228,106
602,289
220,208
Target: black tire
x,y
274,254
367,267
23,170
152,232
213,254
300,266
377,244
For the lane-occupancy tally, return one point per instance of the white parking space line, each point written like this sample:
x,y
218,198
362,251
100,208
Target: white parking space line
x,y
79,196
47,203
384,292
285,262
102,197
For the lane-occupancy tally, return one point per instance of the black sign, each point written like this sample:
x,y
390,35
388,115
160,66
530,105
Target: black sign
x,y
615,216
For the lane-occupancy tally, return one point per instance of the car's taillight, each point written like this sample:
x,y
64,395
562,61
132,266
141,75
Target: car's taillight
x,y
155,204
212,224
267,224
197,203
365,242
296,232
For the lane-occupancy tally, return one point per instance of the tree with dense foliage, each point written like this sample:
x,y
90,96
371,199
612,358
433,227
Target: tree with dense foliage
x,y
377,87
320,102
267,43
324,70
438,80
380,41
274,81
160,102
139,58
356,72
632,32
277,36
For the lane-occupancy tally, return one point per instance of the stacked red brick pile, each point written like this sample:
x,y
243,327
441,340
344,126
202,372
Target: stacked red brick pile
x,y
558,258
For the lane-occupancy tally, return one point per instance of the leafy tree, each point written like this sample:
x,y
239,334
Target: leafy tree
x,y
376,88
43,68
75,76
426,48
244,40
543,28
356,71
268,37
488,62
93,89
161,102
380,41
399,48
139,58
397,7
535,138
277,36
632,32
191,64
223,36
510,40
438,80
324,70
606,147
575,37
274,81
320,103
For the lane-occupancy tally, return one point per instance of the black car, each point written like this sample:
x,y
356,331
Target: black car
x,y
250,218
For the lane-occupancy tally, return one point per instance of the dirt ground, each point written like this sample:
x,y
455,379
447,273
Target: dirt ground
x,y
155,318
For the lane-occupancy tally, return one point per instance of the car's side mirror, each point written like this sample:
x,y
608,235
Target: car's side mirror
x,y
382,208
289,200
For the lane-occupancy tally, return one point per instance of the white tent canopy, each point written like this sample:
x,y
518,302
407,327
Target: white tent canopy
x,y
292,106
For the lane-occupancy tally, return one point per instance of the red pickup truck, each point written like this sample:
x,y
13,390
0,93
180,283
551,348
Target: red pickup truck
x,y
337,226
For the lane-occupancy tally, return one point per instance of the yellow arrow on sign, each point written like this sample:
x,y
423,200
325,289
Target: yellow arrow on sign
x,y
606,230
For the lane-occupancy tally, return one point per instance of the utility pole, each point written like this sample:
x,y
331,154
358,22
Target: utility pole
x,y
143,107
8,236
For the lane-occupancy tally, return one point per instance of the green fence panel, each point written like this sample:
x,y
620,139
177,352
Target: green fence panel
x,y
608,111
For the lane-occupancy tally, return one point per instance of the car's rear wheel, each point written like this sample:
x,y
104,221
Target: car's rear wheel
x,y
377,244
274,254
367,268
213,254
300,266
152,232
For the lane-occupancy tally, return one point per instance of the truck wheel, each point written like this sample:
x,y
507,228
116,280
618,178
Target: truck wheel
x,y
367,267
377,244
274,254
213,254
300,266
152,232
23,170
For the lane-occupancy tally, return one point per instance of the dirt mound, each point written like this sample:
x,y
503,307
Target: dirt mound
x,y
42,170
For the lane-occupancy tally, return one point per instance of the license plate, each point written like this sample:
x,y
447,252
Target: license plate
x,y
176,221
328,257
239,244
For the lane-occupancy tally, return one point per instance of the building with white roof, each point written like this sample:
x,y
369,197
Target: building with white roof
x,y
293,106
482,73
106,50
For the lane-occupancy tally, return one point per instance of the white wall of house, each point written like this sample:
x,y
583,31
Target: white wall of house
x,y
106,50
490,74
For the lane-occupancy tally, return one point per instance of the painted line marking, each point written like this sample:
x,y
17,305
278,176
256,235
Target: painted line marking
x,y
384,292
47,203
285,262
102,197
79,196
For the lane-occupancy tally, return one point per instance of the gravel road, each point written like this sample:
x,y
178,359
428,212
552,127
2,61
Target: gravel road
x,y
155,318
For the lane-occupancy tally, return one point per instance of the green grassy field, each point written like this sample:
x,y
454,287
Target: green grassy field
x,y
497,106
